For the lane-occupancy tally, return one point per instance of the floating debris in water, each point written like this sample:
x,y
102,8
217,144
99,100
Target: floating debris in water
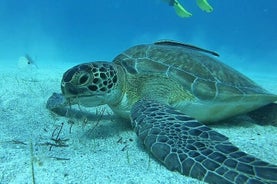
x,y
26,62
28,69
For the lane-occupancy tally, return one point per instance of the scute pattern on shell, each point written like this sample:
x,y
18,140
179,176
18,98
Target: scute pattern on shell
x,y
205,76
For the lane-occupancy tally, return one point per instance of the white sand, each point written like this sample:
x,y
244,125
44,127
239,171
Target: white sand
x,y
95,155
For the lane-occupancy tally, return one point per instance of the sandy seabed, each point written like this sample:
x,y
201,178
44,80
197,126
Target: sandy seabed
x,y
38,146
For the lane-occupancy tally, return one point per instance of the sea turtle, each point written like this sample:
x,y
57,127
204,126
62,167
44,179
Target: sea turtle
x,y
170,91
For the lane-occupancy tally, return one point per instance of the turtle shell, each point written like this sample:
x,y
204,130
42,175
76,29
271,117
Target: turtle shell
x,y
198,71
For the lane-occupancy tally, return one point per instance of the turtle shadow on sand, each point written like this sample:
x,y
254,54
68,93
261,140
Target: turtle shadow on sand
x,y
263,116
112,126
266,115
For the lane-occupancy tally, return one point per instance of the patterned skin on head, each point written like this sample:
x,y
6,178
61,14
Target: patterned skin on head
x,y
97,77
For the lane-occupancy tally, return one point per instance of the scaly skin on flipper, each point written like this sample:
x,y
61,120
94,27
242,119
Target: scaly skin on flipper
x,y
179,81
183,144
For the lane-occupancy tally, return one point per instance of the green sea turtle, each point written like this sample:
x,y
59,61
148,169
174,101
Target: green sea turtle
x,y
170,91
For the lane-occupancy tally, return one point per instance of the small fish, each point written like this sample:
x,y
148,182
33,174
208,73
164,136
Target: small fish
x,y
173,43
30,61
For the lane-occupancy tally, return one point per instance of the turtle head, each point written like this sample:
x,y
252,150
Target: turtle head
x,y
93,84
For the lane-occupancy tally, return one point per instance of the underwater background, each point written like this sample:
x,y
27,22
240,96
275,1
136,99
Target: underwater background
x,y
243,32
58,34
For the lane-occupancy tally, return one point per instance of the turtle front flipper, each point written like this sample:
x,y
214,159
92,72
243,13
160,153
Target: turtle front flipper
x,y
183,144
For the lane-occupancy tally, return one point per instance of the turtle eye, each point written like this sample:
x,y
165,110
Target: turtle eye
x,y
83,79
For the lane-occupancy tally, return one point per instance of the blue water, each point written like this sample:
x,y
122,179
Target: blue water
x,y
244,32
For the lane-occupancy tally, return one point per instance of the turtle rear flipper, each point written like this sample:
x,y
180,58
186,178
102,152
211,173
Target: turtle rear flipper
x,y
266,115
183,144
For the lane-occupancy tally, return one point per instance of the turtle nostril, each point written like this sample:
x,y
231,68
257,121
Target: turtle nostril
x,y
83,79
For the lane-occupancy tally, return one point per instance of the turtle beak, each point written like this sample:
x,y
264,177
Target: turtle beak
x,y
81,95
70,90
